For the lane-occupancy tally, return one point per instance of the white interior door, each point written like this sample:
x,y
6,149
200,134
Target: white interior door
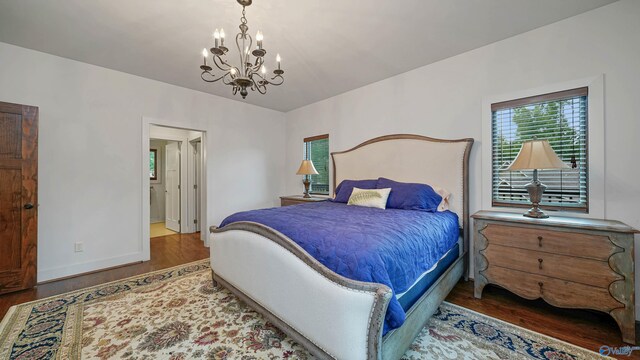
x,y
172,191
198,172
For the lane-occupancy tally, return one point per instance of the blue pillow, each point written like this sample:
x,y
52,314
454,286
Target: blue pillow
x,y
343,191
409,196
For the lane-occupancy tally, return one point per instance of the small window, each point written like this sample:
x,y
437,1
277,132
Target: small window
x,y
153,164
560,118
316,149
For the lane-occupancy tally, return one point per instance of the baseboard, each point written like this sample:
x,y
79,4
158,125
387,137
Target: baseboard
x,y
86,267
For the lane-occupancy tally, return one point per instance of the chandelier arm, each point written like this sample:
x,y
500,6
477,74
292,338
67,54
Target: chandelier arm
x,y
260,85
226,81
262,89
222,62
240,51
258,64
247,55
210,74
279,77
260,77
244,51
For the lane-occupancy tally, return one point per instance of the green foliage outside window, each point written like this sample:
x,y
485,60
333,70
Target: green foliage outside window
x,y
318,152
153,166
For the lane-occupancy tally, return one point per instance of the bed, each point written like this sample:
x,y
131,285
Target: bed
x,y
336,316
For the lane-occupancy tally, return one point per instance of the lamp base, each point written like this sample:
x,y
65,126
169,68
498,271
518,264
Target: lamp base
x,y
535,190
536,213
306,183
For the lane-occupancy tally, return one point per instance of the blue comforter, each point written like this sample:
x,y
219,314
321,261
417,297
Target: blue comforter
x,y
391,247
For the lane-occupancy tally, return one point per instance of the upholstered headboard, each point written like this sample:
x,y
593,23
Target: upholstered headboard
x,y
411,158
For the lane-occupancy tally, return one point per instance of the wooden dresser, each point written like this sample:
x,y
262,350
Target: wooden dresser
x,y
568,262
299,199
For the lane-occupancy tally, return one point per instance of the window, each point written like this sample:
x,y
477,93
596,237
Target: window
x,y
153,164
560,118
316,149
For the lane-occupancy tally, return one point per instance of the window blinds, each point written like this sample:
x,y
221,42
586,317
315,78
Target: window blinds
x,y
316,149
560,118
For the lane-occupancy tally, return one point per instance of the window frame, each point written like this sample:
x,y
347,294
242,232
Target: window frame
x,y
537,99
307,157
155,164
596,139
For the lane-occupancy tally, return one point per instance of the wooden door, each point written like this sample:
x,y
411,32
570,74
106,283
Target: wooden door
x,y
18,196
172,190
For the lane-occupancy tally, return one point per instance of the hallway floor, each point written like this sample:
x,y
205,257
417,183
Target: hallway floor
x,y
160,229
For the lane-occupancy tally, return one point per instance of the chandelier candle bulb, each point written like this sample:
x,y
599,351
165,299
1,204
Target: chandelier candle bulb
x,y
259,39
216,37
221,37
278,60
204,55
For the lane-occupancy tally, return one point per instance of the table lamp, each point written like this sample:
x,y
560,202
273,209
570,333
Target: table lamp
x,y
306,169
536,155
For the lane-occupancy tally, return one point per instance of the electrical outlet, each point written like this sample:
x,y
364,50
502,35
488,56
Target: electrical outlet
x,y
79,247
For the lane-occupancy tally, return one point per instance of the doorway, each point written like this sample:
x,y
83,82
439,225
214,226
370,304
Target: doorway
x,y
175,171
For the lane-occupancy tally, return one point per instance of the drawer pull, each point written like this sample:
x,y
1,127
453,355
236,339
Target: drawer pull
x,y
539,241
540,284
540,264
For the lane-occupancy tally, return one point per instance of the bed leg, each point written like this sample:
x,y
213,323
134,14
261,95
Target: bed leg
x,y
465,274
213,279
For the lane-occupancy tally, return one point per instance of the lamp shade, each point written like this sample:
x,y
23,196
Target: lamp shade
x,y
537,154
307,168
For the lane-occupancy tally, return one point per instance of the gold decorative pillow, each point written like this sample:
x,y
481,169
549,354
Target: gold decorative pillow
x,y
445,194
376,198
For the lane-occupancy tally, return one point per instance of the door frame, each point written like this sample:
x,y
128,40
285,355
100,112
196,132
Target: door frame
x,y
145,239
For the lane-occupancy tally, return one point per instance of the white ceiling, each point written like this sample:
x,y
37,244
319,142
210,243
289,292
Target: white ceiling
x,y
327,46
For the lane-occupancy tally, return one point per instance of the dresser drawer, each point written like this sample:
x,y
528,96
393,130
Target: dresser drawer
x,y
286,202
592,246
554,291
579,270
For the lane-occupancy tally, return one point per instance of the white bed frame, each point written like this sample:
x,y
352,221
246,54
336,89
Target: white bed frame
x,y
332,316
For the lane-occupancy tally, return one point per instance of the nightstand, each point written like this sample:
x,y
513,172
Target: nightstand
x,y
299,199
568,262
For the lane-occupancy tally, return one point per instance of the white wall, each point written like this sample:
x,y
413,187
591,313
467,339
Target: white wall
x,y
445,99
89,154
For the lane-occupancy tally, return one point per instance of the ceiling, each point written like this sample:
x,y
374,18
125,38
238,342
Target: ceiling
x,y
327,46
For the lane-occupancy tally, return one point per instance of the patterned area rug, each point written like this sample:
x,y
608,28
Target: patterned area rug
x,y
177,314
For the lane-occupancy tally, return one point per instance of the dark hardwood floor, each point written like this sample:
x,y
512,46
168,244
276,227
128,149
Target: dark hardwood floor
x,y
166,251
587,329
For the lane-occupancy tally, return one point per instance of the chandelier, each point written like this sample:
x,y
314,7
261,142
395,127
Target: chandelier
x,y
251,74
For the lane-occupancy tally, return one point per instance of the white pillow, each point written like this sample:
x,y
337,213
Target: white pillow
x,y
444,204
376,198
